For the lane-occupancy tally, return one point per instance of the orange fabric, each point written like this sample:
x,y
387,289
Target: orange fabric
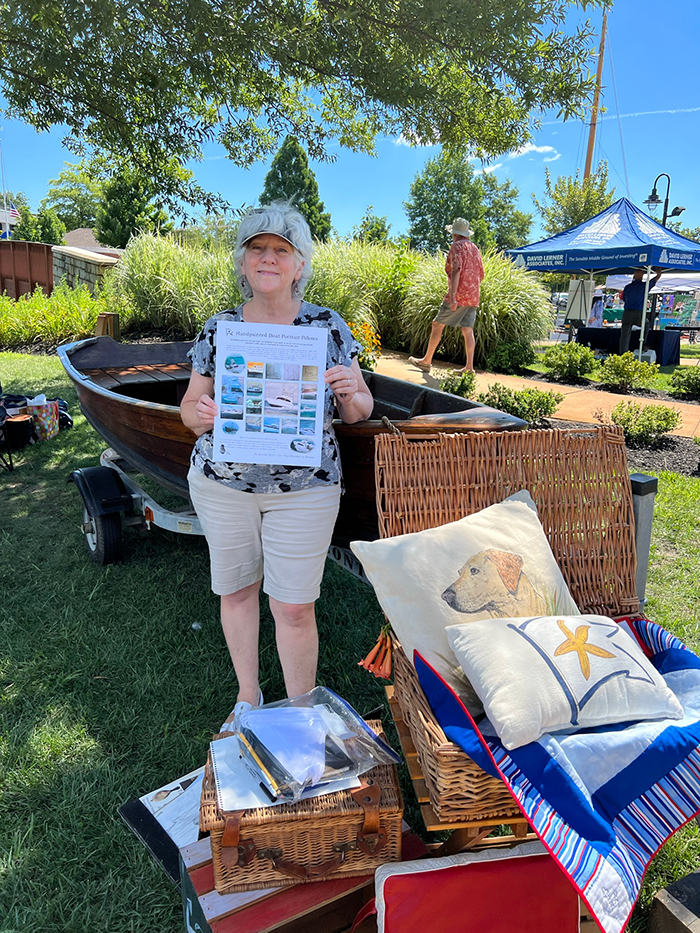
x,y
465,255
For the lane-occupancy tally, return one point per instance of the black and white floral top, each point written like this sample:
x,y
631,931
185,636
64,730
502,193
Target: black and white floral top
x,y
251,477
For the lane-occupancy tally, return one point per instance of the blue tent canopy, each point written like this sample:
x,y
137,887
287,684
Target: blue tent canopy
x,y
621,238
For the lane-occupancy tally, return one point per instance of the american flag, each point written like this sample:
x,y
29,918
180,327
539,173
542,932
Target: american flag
x,y
14,213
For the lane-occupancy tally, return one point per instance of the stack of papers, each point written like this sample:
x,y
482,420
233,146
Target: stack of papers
x,y
238,789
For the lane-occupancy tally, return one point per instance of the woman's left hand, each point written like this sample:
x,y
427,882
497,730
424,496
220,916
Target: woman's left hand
x,y
343,382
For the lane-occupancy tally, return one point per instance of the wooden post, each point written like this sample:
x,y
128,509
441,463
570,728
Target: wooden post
x,y
108,325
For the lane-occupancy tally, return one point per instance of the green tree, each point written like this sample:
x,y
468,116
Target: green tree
x,y
75,196
571,200
291,179
27,227
509,226
155,82
448,187
692,233
127,208
43,227
19,199
372,228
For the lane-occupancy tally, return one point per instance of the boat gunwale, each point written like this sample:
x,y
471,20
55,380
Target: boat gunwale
x,y
81,379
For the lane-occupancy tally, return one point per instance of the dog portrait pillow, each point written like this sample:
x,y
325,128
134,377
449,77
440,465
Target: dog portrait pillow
x,y
495,563
558,672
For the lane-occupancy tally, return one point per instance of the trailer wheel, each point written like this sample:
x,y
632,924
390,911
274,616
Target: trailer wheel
x,y
103,536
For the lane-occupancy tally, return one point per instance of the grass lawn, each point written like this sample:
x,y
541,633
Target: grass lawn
x,y
107,692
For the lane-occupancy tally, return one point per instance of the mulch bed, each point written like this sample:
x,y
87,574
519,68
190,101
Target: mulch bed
x,y
675,454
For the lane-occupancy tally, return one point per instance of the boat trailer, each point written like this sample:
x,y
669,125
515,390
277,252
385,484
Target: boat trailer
x,y
112,499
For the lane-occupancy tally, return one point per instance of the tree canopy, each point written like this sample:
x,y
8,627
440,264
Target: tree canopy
x,y
291,179
448,187
372,228
75,196
571,200
152,83
42,227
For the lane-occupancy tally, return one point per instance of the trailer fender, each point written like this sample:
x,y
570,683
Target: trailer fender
x,y
102,490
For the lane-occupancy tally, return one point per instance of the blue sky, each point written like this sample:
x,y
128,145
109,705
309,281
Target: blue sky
x,y
651,63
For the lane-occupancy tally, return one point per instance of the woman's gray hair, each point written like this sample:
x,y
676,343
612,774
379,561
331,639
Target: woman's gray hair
x,y
282,219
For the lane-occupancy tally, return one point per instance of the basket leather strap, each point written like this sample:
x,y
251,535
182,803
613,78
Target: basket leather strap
x,y
313,873
371,838
235,851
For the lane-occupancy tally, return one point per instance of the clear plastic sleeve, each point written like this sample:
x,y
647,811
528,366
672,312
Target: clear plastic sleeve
x,y
313,740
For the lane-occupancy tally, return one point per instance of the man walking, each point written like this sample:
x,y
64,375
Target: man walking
x,y
465,272
633,300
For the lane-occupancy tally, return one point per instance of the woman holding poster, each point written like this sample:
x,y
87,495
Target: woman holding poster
x,y
264,522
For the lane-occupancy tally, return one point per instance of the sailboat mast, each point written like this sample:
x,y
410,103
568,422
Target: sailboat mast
x,y
596,100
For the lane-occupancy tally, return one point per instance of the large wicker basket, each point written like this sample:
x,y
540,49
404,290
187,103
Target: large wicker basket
x,y
314,840
580,483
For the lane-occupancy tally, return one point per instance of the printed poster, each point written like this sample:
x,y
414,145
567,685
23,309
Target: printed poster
x,y
270,392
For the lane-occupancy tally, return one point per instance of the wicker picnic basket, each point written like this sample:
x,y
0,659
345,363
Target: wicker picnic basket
x,y
579,480
348,833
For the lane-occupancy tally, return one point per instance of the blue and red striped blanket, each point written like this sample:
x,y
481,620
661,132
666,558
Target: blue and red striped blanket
x,y
603,800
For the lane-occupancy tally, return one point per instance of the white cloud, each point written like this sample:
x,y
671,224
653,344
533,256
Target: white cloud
x,y
486,169
528,148
403,141
553,158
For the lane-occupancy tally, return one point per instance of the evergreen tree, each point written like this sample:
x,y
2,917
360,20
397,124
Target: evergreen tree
x,y
291,179
571,200
447,188
127,208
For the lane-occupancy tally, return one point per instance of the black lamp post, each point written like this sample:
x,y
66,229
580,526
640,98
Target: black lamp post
x,y
653,201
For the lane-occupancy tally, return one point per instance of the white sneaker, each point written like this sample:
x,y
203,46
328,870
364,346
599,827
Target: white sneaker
x,y
241,707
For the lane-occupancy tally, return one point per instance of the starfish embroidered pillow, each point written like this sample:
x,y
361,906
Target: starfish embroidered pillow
x,y
537,674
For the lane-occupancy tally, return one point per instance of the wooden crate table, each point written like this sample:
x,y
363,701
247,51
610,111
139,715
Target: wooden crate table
x,y
319,907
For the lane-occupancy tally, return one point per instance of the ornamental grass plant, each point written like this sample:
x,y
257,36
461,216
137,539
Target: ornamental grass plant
x,y
172,287
67,314
363,282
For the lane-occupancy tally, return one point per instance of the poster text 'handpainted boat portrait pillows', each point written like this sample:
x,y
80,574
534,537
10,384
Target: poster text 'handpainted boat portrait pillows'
x,y
494,563
557,672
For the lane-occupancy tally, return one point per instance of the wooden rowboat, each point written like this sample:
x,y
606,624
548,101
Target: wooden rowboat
x,y
130,394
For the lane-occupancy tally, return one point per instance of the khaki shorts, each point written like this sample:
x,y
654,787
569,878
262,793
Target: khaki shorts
x,y
462,317
284,534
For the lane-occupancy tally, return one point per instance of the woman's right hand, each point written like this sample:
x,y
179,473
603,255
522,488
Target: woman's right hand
x,y
206,410
197,408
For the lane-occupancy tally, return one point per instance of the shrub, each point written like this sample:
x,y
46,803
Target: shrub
x,y
569,361
627,372
645,424
533,405
514,307
459,382
510,357
685,382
